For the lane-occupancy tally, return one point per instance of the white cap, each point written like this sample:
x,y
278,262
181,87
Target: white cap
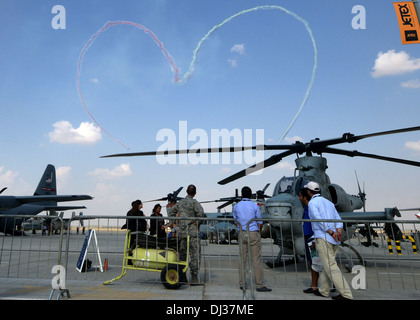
x,y
313,186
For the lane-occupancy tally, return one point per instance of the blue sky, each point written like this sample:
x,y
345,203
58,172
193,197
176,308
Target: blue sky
x,y
251,73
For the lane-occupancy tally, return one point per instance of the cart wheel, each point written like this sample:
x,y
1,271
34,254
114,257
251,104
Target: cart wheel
x,y
172,276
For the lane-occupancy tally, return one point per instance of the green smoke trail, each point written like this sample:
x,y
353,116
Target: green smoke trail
x,y
190,70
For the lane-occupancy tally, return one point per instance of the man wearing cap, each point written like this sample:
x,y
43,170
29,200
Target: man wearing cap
x,y
327,240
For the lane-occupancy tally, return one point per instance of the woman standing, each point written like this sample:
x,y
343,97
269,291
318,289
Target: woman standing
x,y
134,224
157,226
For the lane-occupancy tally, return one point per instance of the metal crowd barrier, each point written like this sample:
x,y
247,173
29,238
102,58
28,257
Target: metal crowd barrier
x,y
102,242
367,245
25,256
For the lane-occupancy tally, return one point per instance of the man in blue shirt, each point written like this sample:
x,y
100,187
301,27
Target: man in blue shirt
x,y
327,238
245,211
308,235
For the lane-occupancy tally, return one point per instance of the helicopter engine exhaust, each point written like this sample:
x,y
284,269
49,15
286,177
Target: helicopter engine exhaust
x,y
344,202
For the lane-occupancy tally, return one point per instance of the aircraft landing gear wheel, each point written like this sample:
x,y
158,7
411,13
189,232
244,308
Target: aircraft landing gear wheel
x,y
172,276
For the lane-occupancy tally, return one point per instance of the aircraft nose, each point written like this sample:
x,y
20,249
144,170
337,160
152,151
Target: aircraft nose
x,y
279,210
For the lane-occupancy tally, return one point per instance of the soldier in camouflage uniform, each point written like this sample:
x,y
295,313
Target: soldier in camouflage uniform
x,y
186,208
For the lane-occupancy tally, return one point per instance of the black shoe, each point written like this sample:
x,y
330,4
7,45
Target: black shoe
x,y
263,289
309,290
317,293
339,297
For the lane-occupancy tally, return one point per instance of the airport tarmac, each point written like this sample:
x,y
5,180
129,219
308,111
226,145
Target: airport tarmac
x,y
388,277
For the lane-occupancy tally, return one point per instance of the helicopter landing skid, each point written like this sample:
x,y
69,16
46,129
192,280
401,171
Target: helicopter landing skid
x,y
350,265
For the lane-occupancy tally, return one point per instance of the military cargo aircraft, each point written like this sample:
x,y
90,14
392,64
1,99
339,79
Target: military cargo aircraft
x,y
45,198
52,220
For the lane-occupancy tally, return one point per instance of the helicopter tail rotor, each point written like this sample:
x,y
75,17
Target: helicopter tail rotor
x,y
361,194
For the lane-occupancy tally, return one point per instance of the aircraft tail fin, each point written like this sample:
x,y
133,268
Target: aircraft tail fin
x,y
47,185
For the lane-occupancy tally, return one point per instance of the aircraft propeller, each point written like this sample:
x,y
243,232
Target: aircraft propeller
x,y
170,197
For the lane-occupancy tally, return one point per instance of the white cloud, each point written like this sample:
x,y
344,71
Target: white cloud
x,y
86,133
293,139
411,84
7,178
233,63
413,145
238,48
394,63
94,80
284,165
63,172
120,171
63,175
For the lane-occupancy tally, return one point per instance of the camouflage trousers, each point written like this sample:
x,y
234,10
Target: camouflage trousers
x,y
195,251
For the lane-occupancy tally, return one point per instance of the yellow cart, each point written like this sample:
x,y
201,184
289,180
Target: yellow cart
x,y
152,258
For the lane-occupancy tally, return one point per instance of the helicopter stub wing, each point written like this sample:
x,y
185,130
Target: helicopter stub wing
x,y
387,214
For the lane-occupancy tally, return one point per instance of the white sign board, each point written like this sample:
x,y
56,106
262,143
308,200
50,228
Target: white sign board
x,y
83,252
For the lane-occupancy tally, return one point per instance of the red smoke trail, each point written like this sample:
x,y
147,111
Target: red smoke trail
x,y
97,34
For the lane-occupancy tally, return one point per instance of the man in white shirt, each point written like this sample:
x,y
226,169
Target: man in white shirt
x,y
327,239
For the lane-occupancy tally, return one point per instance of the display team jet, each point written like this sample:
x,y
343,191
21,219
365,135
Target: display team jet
x,y
45,198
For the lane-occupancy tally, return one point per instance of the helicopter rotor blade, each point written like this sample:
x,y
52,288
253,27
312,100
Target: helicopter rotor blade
x,y
319,145
356,153
170,196
261,165
186,151
177,191
161,199
225,204
386,133
265,188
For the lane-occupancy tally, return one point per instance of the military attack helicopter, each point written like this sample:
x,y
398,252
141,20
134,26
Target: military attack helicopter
x,y
285,204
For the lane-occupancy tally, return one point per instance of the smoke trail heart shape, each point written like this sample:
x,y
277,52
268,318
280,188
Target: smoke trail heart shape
x,y
189,73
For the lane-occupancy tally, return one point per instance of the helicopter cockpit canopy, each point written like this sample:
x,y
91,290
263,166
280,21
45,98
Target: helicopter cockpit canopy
x,y
285,185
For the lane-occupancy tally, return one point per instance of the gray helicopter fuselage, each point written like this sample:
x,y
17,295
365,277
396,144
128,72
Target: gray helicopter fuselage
x,y
285,204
